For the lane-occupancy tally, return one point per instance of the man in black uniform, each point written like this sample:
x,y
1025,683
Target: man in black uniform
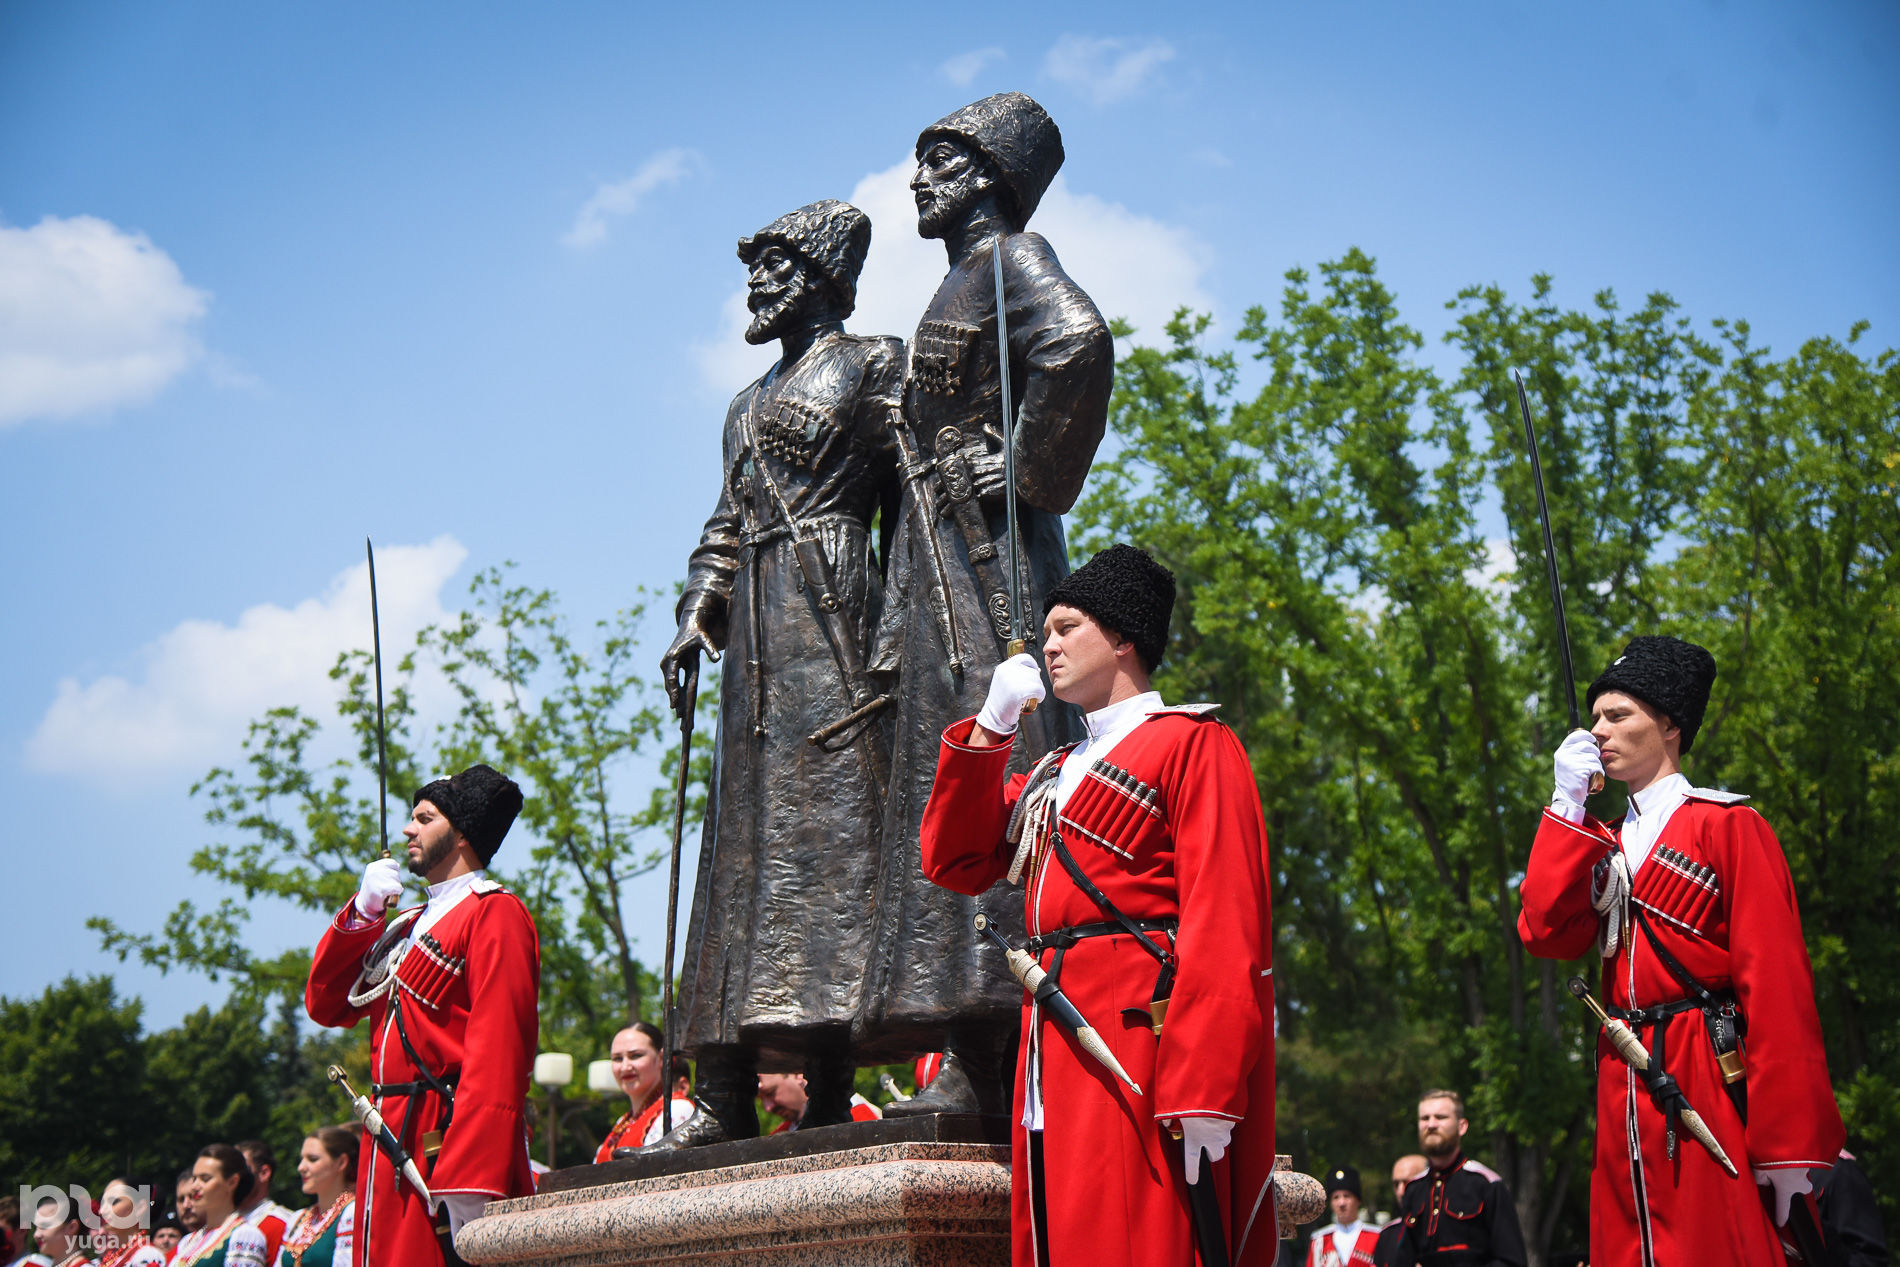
x,y
1458,1213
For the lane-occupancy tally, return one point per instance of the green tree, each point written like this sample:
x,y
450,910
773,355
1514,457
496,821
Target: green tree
x,y
573,722
72,1085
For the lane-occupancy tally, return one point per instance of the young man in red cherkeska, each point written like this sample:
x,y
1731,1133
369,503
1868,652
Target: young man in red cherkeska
x,y
1153,821
1689,900
438,982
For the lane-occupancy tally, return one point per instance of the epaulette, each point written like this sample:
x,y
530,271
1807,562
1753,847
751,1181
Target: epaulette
x,y
1192,710
486,885
1714,796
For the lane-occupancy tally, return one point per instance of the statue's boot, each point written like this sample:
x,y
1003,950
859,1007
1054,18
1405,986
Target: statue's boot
x,y
728,1085
977,1076
829,1074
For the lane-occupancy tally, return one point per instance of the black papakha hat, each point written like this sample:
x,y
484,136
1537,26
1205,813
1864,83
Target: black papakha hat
x,y
1017,137
1343,1179
1126,591
1668,674
835,236
481,802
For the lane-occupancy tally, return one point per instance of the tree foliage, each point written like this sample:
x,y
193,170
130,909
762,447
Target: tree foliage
x,y
1362,589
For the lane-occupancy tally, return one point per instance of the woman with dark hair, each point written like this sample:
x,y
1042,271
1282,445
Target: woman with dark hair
x,y
325,1234
636,1060
121,1241
220,1181
61,1240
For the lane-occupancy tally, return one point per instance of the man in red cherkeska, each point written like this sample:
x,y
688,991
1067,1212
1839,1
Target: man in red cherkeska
x,y
1689,899
1158,811
437,982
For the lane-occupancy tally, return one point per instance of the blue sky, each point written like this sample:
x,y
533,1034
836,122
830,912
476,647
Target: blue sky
x,y
461,278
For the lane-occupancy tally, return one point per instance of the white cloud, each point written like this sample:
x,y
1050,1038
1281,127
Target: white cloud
x,y
1105,70
203,682
623,197
1132,265
91,318
965,67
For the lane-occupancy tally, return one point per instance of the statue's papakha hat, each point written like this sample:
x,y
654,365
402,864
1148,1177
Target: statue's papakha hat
x,y
1018,138
480,802
835,236
1126,591
1668,674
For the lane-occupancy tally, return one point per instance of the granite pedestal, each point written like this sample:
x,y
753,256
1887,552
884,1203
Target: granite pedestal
x,y
929,1192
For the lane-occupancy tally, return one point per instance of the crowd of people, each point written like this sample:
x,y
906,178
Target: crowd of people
x,y
221,1214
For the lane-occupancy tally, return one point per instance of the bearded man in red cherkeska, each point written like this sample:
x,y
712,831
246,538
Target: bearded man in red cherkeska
x,y
456,975
1142,853
1689,901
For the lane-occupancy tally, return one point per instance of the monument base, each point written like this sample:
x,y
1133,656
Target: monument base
x,y
925,1191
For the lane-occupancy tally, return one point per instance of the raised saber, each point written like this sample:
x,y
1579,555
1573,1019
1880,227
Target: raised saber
x,y
1026,970
1660,1084
386,1142
376,644
1018,643
1550,567
688,704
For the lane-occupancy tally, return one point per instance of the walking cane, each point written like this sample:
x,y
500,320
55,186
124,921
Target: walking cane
x,y
688,703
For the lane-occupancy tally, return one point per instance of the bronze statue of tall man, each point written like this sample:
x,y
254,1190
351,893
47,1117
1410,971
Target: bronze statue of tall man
x,y
980,173
783,581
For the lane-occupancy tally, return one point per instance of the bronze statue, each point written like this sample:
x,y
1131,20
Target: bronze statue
x,y
785,578
980,173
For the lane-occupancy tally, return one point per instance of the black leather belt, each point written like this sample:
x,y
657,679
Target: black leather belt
x,y
1064,938
379,1090
1644,1017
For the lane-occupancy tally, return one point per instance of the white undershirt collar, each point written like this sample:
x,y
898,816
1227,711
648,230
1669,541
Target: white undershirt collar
x,y
444,896
1649,812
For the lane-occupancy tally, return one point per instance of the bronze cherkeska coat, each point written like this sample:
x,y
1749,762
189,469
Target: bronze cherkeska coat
x,y
788,859
928,971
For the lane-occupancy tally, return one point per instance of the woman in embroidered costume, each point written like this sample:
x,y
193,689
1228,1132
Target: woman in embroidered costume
x,y
325,1234
60,1242
121,1239
636,1059
220,1180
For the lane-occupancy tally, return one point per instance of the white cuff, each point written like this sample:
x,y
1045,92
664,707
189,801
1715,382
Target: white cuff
x,y
1565,808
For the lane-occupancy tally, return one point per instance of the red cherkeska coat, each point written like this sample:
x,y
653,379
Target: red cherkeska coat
x,y
1168,826
1738,929
477,994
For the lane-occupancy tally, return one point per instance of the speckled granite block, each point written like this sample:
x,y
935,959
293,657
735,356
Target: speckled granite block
x,y
896,1205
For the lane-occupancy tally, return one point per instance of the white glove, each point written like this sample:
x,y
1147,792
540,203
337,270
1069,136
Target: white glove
x,y
382,880
1210,1133
1577,760
1788,1184
1016,681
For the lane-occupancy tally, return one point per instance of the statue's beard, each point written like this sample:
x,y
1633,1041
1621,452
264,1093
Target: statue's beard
x,y
773,312
950,203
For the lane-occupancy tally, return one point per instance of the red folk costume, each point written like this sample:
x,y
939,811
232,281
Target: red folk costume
x,y
454,985
1167,825
1708,878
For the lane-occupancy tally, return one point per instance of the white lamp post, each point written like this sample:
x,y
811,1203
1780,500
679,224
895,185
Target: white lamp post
x,y
552,1071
